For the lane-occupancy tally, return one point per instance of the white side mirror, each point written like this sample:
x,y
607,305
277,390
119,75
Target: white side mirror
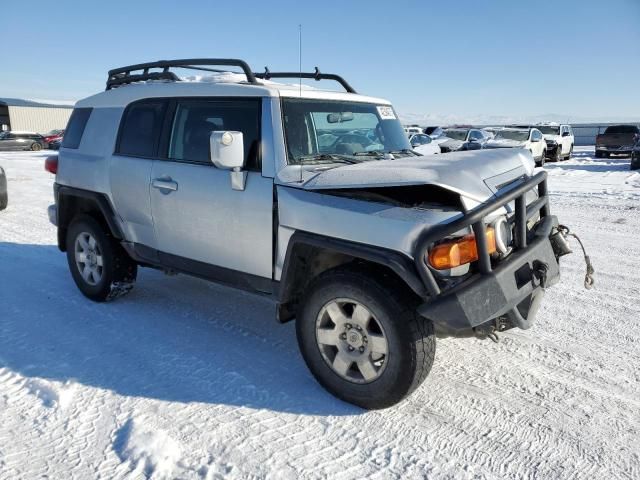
x,y
227,153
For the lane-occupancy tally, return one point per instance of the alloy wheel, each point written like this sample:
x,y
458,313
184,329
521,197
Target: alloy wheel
x,y
351,340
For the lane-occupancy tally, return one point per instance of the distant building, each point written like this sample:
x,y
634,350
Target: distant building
x,y
28,116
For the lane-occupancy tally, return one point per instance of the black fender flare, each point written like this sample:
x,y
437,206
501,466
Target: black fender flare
x,y
402,265
64,193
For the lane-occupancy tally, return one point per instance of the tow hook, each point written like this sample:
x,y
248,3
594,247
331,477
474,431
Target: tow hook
x,y
540,270
588,277
486,331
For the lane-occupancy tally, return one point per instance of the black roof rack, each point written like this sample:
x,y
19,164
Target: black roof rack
x,y
124,75
267,75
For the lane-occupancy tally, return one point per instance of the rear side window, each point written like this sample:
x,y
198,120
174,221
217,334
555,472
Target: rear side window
x,y
140,128
75,127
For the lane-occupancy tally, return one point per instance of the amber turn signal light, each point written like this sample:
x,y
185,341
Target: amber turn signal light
x,y
458,252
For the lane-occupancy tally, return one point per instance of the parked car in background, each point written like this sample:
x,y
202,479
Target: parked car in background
x,y
423,144
463,139
528,138
491,131
616,139
55,144
437,134
3,190
635,154
21,141
559,139
53,135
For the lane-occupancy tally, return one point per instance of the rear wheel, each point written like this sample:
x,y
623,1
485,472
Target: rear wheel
x,y
100,267
36,147
362,339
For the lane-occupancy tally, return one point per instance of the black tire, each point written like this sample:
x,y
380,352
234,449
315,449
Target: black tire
x,y
118,270
540,163
558,155
598,154
36,147
410,338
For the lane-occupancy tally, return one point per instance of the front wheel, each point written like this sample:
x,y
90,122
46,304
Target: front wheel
x,y
362,340
100,267
558,156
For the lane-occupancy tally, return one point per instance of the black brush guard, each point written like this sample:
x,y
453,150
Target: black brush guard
x,y
509,293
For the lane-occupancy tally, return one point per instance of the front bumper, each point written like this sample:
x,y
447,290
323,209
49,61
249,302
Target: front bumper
x,y
614,149
501,294
511,291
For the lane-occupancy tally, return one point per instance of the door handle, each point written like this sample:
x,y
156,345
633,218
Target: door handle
x,y
165,185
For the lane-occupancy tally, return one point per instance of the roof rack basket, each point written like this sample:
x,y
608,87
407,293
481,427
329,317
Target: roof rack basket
x,y
317,75
125,75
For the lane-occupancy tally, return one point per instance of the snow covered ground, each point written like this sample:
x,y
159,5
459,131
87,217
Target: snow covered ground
x,y
191,380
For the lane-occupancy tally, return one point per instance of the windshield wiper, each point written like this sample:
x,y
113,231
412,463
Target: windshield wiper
x,y
372,153
404,151
324,157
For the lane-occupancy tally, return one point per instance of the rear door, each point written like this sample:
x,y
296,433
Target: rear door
x,y
130,167
200,221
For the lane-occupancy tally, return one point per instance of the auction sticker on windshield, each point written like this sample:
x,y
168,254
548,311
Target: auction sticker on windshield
x,y
386,113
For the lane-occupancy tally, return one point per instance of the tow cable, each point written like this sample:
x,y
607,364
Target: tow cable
x,y
588,278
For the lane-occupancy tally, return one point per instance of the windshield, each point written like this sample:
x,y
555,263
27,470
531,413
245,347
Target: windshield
x,y
456,134
518,135
549,130
330,130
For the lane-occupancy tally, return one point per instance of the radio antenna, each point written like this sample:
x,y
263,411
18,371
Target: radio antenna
x,y
300,57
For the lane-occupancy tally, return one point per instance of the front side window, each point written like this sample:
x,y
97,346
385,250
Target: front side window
x,y
140,129
476,135
194,121
314,128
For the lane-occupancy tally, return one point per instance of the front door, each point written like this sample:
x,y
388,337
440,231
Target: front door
x,y
199,220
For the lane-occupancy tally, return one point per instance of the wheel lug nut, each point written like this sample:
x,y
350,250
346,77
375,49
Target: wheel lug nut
x,y
348,326
361,349
343,336
350,348
359,328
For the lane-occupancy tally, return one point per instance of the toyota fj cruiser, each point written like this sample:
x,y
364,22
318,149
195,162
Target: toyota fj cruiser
x,y
313,198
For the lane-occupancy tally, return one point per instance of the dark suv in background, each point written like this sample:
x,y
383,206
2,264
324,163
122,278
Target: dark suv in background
x,y
22,141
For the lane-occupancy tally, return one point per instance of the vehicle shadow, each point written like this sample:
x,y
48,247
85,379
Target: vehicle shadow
x,y
177,339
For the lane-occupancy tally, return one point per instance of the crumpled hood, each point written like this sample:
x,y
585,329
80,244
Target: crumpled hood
x,y
504,143
475,174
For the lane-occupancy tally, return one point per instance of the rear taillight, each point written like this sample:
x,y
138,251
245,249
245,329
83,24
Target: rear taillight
x,y
51,164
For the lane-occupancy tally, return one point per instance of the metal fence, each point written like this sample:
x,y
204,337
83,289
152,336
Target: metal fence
x,y
585,133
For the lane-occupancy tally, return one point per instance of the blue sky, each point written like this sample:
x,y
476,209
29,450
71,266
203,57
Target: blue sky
x,y
467,59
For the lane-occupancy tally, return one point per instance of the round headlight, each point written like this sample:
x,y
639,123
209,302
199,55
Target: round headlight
x,y
503,235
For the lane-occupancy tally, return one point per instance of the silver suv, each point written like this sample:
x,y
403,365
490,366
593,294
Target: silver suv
x,y
312,198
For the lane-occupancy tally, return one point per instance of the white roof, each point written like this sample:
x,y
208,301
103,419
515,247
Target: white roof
x,y
225,84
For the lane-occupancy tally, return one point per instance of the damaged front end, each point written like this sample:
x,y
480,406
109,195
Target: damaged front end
x,y
500,293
